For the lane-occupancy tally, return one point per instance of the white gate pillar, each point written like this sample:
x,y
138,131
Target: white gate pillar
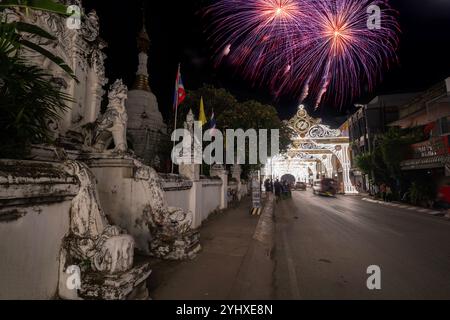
x,y
342,153
327,161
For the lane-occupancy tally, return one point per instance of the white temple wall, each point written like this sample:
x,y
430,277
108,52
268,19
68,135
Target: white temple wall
x,y
178,198
34,218
30,250
203,198
211,198
125,198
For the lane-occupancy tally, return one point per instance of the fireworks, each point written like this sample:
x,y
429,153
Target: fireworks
x,y
255,35
309,48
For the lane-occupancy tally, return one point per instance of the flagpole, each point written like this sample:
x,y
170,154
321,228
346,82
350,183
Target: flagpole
x,y
214,132
176,111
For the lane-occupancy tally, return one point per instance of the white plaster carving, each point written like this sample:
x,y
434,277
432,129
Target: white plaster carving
x,y
173,237
307,127
81,50
92,238
113,123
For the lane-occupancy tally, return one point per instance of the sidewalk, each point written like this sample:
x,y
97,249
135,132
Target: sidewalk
x,y
230,263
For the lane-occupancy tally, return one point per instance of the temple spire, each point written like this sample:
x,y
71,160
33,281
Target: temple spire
x,y
143,44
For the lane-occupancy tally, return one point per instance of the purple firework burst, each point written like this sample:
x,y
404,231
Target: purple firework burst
x,y
307,48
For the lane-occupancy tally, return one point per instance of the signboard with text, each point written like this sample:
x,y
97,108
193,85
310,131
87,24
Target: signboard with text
x,y
434,147
256,191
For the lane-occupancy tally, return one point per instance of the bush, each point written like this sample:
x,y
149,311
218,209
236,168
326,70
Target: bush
x,y
364,163
422,194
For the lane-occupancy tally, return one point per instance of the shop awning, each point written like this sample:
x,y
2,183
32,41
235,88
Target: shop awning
x,y
426,163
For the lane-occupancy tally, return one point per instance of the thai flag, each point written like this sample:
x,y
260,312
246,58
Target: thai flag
x,y
180,92
213,123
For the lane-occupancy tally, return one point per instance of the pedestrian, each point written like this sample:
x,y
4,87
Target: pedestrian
x,y
388,194
278,189
267,186
359,187
288,189
376,190
383,191
283,190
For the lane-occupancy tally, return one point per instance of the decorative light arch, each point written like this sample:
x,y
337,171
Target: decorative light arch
x,y
313,142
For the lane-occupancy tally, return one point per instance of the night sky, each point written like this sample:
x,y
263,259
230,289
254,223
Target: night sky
x,y
176,30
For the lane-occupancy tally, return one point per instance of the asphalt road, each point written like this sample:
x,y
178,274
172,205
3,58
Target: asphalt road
x,y
325,245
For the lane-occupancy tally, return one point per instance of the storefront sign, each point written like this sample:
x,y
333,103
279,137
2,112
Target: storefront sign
x,y
434,147
256,191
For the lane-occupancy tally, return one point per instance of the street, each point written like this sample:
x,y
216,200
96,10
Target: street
x,y
325,245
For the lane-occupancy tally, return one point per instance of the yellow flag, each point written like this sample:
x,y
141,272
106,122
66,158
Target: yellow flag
x,y
202,116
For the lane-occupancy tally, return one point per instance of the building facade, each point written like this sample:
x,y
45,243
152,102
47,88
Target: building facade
x,y
429,113
366,124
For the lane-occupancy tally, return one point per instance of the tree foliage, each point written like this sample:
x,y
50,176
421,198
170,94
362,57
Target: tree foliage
x,y
383,164
255,115
233,114
364,163
394,146
29,100
47,5
217,99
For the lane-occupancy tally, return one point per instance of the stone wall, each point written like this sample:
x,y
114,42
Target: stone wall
x,y
35,200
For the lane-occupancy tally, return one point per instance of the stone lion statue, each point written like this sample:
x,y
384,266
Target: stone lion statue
x,y
112,125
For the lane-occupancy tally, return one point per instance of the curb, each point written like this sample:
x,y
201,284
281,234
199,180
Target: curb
x,y
265,229
406,207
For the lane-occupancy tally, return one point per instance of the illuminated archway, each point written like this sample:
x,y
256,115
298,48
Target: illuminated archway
x,y
313,143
